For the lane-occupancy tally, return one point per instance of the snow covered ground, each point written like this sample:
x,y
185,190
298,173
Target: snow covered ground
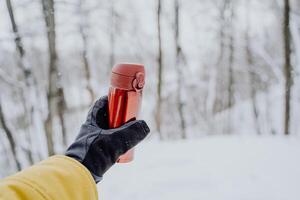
x,y
211,168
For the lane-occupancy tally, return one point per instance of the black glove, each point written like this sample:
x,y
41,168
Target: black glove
x,y
97,147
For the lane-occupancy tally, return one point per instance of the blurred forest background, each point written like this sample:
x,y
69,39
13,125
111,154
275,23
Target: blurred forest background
x,y
213,67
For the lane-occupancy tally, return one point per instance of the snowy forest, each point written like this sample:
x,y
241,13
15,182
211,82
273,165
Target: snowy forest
x,y
213,68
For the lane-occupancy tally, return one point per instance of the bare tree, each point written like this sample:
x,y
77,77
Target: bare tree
x,y
287,65
179,63
219,103
231,80
158,117
30,81
10,138
55,96
231,55
251,70
112,34
61,108
84,37
6,157
18,39
224,98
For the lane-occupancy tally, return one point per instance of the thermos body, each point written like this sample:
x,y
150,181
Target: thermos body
x,y
125,97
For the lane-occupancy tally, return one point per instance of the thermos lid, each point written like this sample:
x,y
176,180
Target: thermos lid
x,y
128,76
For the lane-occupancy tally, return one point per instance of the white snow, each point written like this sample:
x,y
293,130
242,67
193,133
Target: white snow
x,y
210,168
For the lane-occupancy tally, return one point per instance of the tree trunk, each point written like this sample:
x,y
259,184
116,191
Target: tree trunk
x,y
231,56
218,101
224,98
112,35
18,39
26,96
10,138
55,90
87,68
179,62
158,117
251,71
287,66
61,107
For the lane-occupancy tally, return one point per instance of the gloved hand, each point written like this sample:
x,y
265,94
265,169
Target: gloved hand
x,y
97,147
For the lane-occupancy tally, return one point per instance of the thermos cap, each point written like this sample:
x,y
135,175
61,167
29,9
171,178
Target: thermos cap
x,y
128,76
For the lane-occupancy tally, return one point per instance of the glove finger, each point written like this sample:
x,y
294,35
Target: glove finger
x,y
130,134
98,114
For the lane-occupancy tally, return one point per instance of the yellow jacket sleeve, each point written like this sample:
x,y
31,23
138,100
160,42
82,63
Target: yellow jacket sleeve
x,y
57,178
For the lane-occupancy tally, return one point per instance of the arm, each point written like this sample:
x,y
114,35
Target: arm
x,y
74,175
58,177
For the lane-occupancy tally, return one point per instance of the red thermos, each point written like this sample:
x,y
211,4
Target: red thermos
x,y
125,97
